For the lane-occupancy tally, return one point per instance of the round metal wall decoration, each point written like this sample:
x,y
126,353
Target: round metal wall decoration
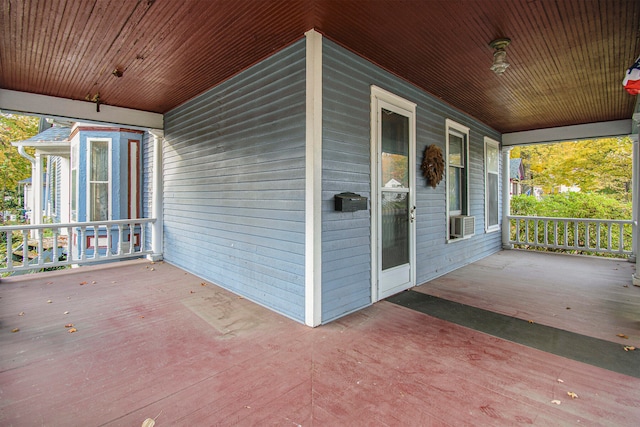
x,y
433,165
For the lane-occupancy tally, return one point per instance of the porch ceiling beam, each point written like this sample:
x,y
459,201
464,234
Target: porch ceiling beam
x,y
50,106
569,133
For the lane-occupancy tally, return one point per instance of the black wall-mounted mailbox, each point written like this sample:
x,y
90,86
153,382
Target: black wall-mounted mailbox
x,y
350,202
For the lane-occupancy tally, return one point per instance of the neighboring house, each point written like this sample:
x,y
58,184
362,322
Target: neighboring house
x,y
517,175
88,173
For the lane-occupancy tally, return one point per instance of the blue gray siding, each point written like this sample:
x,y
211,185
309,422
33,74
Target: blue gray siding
x,y
346,249
234,180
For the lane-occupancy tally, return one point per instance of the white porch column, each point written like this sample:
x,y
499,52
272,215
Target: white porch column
x,y
65,192
634,199
37,182
506,196
156,196
635,193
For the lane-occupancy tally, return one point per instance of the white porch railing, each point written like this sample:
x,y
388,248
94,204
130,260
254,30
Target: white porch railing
x,y
56,245
588,236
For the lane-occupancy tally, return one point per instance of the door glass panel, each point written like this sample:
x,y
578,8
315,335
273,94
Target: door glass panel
x,y
395,229
395,150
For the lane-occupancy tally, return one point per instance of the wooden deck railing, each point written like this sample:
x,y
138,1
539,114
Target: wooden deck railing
x,y
587,236
36,247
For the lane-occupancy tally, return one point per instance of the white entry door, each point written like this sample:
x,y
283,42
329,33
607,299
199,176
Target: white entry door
x,y
393,207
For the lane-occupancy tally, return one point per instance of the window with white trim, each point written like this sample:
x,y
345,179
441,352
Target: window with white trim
x,y
457,160
99,195
491,183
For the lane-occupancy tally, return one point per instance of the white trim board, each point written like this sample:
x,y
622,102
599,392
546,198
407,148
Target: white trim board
x,y
569,133
51,106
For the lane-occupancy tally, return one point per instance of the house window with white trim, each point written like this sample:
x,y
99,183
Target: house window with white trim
x,y
99,197
457,153
491,183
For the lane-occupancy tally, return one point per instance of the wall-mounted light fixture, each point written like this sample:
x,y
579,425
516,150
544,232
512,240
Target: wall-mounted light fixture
x,y
500,55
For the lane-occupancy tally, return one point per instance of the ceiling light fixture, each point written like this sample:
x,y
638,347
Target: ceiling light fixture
x,y
500,55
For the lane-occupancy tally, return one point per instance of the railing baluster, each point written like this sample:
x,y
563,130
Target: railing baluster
x,y
9,235
132,236
83,243
620,238
143,237
108,252
120,238
25,249
54,248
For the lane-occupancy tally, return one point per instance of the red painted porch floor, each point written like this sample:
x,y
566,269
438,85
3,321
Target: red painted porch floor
x,y
155,342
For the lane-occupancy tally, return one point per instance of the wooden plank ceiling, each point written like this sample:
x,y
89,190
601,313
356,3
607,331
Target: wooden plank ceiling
x,y
568,57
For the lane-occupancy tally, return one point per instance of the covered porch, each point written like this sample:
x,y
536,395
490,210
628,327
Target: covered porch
x,y
153,341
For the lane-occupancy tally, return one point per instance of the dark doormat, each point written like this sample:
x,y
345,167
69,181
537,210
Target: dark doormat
x,y
594,351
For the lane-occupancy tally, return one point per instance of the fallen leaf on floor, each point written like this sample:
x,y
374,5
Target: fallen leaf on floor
x,y
49,301
560,381
629,348
93,282
556,402
66,312
150,422
623,336
152,269
568,308
21,313
69,325
625,286
49,283
531,321
203,284
572,395
83,283
72,330
192,292
15,330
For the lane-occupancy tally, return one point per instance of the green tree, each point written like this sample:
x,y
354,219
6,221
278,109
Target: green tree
x,y
598,166
13,167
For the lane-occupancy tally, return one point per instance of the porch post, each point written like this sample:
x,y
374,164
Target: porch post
x,y
635,195
506,197
156,196
313,181
634,200
36,181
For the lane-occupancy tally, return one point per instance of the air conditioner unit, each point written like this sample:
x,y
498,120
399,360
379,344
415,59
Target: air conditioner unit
x,y
463,226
